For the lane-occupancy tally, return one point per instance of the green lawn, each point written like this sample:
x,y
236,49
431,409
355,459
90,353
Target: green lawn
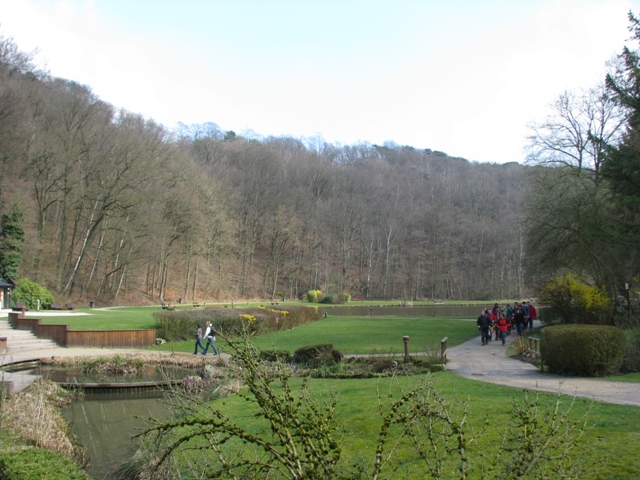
x,y
362,335
125,318
358,335
609,445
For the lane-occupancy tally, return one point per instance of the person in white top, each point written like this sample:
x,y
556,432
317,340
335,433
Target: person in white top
x,y
210,336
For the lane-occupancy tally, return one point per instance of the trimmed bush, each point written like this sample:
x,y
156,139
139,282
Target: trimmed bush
x,y
36,464
315,355
583,350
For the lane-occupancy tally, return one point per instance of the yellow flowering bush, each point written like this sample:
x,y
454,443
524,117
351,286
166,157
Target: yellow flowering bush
x,y
248,318
570,300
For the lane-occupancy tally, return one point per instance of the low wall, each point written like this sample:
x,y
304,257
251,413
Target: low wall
x,y
84,338
110,338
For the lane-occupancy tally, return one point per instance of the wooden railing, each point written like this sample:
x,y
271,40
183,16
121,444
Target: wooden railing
x,y
534,346
84,338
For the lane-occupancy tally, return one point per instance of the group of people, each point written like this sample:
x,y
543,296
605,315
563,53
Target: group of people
x,y
209,335
502,320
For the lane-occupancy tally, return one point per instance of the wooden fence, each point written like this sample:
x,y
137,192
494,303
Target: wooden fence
x,y
84,338
443,349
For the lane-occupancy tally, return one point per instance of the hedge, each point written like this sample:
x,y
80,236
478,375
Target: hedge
x,y
181,324
583,350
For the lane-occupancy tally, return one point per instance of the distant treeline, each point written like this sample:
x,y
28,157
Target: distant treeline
x,y
117,208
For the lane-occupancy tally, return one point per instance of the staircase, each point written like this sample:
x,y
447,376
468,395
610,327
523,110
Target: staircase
x,y
19,341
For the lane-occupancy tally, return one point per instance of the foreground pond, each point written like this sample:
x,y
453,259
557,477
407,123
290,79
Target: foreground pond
x,y
105,419
106,427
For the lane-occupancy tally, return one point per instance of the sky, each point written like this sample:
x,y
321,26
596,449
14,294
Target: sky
x,y
464,77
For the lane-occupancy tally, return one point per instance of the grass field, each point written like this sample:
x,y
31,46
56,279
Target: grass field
x,y
609,445
124,318
361,335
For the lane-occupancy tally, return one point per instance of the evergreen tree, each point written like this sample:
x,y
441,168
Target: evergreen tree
x,y
11,242
621,167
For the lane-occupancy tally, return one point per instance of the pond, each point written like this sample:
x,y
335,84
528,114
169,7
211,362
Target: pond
x,y
106,427
417,311
112,410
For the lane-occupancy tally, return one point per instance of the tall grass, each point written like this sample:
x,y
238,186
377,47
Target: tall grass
x,y
35,417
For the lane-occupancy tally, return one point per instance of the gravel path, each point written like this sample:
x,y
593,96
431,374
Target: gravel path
x,y
490,364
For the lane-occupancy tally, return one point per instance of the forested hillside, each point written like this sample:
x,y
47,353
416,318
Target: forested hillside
x,y
116,208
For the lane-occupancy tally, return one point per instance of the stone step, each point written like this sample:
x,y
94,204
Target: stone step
x,y
20,340
31,347
15,333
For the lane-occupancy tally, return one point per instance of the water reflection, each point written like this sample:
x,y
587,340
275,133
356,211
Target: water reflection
x,y
106,427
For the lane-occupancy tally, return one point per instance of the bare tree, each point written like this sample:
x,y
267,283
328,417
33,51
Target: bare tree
x,y
577,131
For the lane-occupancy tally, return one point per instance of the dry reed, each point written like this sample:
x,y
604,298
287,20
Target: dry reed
x,y
34,415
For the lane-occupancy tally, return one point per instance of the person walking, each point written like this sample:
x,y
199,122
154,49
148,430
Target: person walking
x,y
503,326
519,319
198,340
533,314
210,336
484,325
508,313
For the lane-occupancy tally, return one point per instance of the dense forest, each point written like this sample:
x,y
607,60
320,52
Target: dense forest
x,y
118,209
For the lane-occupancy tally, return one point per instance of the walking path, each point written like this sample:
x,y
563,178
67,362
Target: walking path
x,y
490,364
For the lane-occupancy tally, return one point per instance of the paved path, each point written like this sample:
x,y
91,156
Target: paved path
x,y
490,364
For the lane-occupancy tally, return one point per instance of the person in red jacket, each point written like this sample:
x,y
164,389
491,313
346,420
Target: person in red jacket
x,y
532,314
503,326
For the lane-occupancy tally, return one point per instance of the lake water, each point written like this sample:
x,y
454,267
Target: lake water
x,y
458,311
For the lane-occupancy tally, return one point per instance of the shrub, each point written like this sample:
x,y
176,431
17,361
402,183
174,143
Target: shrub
x,y
315,355
312,295
584,350
110,366
37,463
275,355
569,300
328,299
631,361
337,299
30,292
520,345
